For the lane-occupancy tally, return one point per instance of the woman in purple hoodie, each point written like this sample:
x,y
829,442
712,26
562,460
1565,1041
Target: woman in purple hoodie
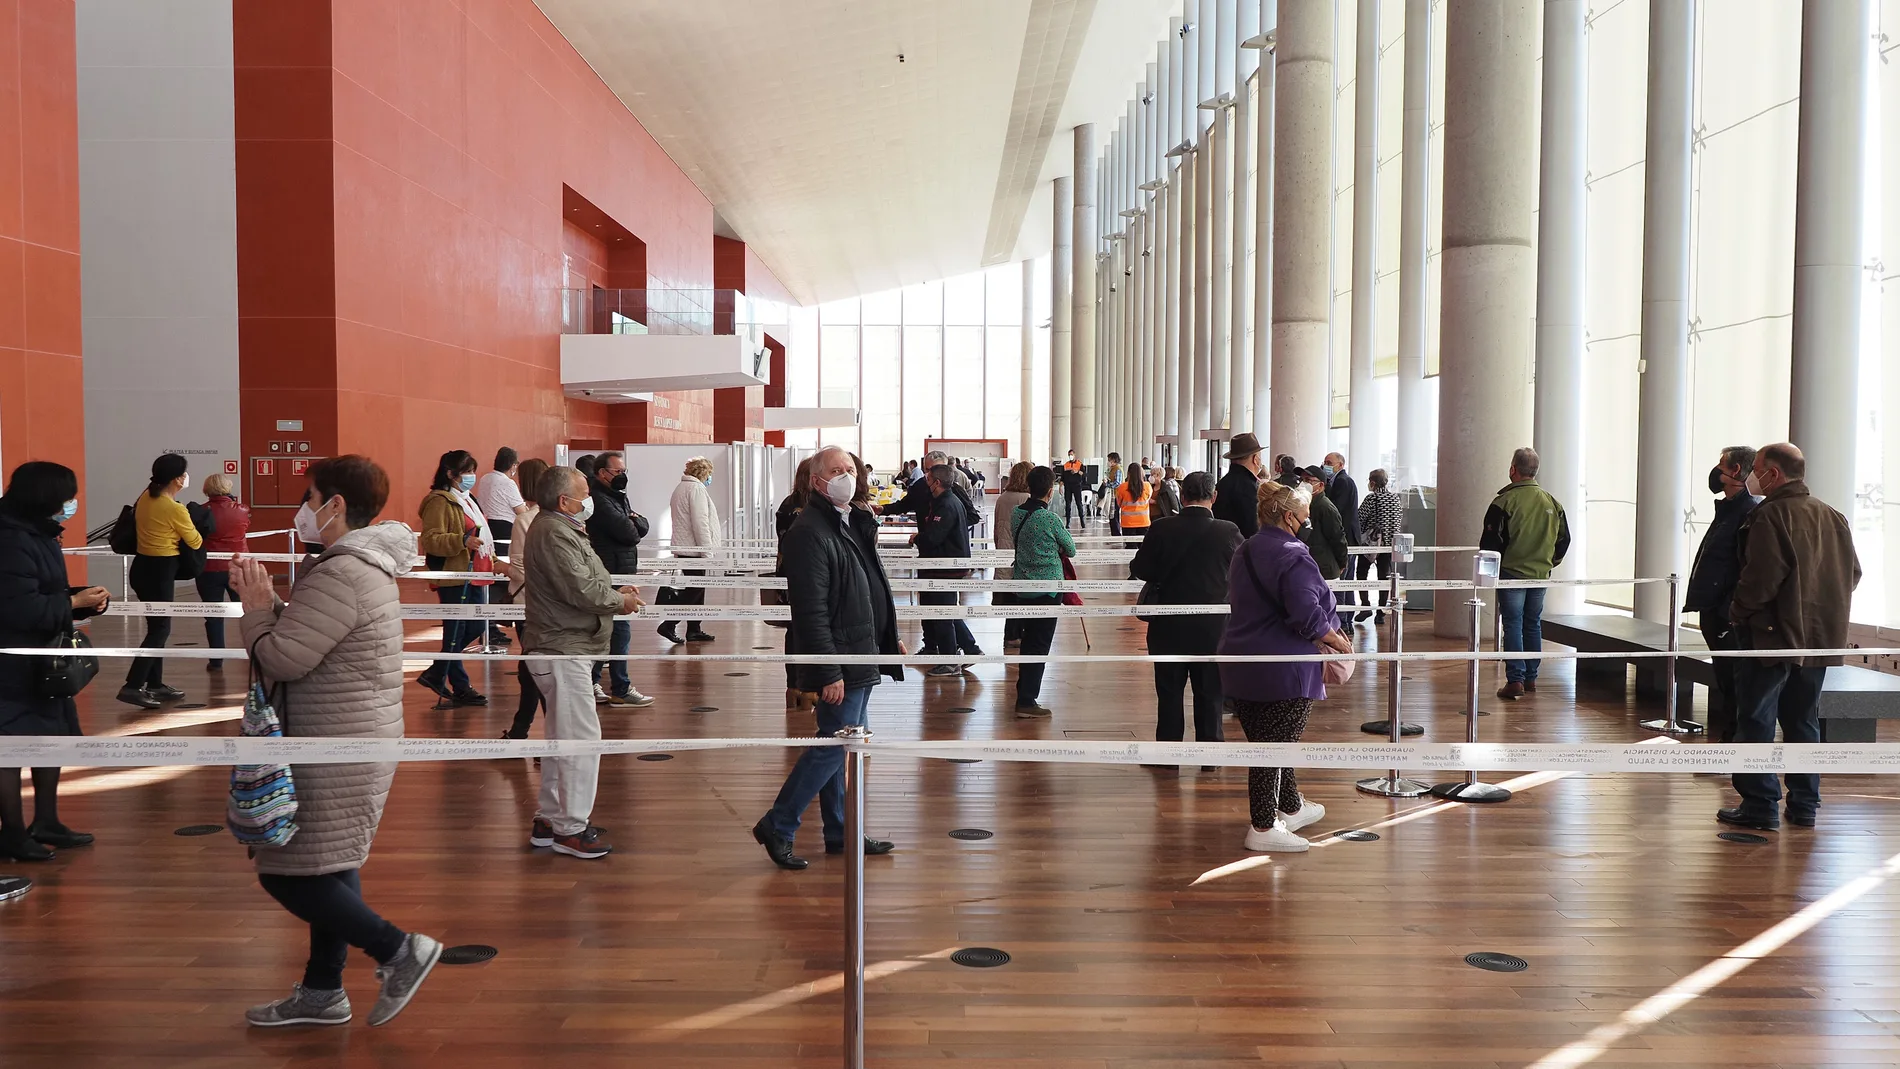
x,y
1280,605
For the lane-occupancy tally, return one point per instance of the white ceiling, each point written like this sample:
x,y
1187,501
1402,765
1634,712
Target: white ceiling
x,y
847,171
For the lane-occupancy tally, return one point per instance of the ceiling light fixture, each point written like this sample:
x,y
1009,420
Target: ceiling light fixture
x,y
1185,148
1219,103
1265,41
1153,184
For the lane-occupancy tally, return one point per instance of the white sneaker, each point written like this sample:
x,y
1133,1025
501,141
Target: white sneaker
x,y
1276,839
600,696
633,699
1310,813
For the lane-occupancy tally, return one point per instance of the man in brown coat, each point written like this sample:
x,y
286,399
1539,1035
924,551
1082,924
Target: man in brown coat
x,y
1798,574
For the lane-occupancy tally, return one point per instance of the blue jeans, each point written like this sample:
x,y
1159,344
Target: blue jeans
x,y
819,772
1523,610
1764,694
457,634
617,645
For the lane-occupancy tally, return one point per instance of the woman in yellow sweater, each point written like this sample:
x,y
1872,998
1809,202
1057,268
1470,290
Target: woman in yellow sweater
x,y
163,524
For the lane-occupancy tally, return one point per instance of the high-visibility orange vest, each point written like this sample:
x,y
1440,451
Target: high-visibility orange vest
x,y
1134,513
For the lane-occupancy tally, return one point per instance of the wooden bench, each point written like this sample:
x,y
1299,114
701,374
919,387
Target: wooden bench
x,y
1851,699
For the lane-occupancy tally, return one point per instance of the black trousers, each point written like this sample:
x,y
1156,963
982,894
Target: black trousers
x,y
688,595
1072,504
1722,696
1368,563
1038,635
530,700
1271,791
332,905
153,579
1171,680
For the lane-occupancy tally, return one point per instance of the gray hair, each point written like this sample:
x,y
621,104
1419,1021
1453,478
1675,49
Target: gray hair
x,y
1524,461
935,457
555,484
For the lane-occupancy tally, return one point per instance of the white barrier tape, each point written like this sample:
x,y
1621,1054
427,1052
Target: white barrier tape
x,y
43,751
920,660
1370,550
47,751
267,534
784,612
1834,758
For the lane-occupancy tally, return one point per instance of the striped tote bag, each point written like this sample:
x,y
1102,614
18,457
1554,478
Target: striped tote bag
x,y
263,806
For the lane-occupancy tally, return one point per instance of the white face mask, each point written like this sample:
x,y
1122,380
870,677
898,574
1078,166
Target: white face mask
x,y
307,526
186,483
1753,485
841,489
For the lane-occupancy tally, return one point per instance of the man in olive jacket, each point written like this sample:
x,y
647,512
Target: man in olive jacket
x,y
1798,575
1526,527
570,610
841,604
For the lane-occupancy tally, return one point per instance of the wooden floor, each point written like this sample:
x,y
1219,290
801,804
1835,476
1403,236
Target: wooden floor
x,y
686,948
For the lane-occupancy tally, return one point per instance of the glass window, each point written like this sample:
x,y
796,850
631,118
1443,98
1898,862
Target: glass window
x,y
924,303
884,309
838,366
963,381
923,383
882,411
1003,385
963,301
1004,294
801,360
845,311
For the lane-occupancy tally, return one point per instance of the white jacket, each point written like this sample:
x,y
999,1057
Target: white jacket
x,y
695,519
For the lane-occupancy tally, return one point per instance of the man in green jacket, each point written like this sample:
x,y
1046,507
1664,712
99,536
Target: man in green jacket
x,y
1525,526
571,606
1797,579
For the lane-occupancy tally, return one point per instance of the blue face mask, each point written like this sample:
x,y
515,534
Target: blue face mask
x,y
1327,469
67,511
467,483
707,480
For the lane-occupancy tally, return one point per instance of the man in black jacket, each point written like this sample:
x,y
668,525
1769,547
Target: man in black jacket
x,y
615,530
1184,561
943,530
1718,564
841,604
1238,499
1344,494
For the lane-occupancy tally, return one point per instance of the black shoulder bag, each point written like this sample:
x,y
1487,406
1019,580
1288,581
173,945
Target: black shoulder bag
x,y
65,675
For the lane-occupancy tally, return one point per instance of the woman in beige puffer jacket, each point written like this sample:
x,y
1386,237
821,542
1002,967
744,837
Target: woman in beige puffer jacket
x,y
332,658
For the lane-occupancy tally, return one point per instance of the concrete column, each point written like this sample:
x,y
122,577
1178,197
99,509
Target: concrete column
x,y
1561,215
1829,242
1087,240
1186,431
1662,415
1263,241
1363,440
1061,310
1303,227
1220,267
1025,447
1239,355
1171,268
1485,318
1205,164
1416,435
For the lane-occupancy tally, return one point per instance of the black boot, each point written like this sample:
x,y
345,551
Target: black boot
x,y
779,850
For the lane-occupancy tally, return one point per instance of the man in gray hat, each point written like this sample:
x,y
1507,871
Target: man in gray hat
x,y
1237,498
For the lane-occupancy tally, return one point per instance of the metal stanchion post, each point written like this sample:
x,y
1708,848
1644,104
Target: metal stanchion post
x,y
1401,554
293,556
1469,789
854,896
1671,722
1392,785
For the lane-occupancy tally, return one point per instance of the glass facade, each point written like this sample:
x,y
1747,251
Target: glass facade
x,y
935,360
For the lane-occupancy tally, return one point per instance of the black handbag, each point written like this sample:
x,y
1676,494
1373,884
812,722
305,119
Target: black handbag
x,y
123,539
65,675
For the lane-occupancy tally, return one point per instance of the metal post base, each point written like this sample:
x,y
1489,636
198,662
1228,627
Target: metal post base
x,y
1680,727
1384,727
1476,793
14,887
1393,787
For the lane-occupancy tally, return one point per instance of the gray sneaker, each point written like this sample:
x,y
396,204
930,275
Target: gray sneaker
x,y
304,1006
404,973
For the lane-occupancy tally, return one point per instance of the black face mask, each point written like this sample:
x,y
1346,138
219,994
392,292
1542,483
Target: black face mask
x,y
619,482
1716,485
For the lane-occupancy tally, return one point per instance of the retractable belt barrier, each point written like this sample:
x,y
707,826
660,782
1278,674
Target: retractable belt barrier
x,y
44,751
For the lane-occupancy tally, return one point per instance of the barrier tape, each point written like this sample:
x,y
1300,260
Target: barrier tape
x,y
44,751
918,660
233,610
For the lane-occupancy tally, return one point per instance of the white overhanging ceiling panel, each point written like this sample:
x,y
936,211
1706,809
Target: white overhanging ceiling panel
x,y
848,169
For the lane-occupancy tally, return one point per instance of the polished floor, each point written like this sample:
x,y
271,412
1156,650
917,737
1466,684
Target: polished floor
x,y
1136,940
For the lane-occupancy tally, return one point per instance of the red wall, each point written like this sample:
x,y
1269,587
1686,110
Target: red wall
x,y
42,389
431,142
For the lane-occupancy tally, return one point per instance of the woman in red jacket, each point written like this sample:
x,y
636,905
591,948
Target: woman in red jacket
x,y
231,522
